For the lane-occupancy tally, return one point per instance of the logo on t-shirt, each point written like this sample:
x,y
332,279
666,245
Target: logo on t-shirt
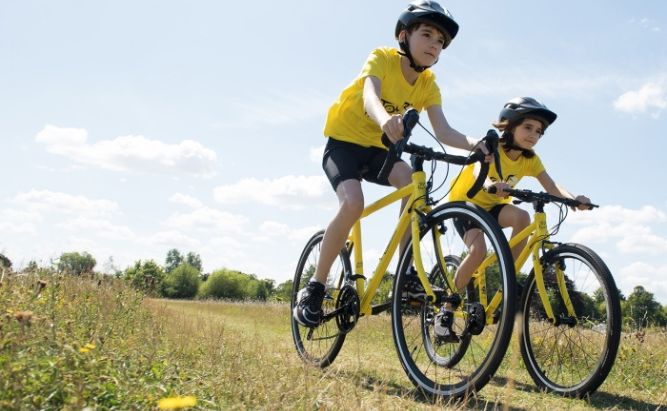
x,y
511,180
393,109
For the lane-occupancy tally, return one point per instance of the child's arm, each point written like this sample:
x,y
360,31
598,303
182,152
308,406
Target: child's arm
x,y
446,133
554,189
391,125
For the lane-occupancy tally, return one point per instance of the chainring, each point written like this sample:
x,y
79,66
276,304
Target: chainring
x,y
349,305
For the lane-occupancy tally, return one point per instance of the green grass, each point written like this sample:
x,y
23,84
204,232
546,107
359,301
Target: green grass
x,y
241,356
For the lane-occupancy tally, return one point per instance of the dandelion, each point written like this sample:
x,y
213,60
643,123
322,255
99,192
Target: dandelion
x,y
173,403
86,348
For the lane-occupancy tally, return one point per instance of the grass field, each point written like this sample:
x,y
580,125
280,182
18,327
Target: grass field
x,y
71,343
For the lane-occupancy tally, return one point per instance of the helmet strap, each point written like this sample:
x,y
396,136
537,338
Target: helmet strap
x,y
508,144
405,51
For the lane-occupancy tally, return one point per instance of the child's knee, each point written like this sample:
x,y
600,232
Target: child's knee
x,y
522,219
352,207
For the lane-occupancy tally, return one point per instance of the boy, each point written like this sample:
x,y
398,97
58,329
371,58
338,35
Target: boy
x,y
390,81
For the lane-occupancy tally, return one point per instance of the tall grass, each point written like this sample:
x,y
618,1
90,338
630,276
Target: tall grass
x,y
71,343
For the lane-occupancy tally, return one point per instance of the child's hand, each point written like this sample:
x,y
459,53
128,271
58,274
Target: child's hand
x,y
393,128
585,201
481,145
500,189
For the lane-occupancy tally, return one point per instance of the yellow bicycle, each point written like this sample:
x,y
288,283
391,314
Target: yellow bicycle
x,y
571,316
437,367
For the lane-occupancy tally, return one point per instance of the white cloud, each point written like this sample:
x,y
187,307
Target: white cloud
x,y
129,153
185,200
652,277
275,229
630,230
51,201
651,96
98,227
294,192
208,219
171,239
19,221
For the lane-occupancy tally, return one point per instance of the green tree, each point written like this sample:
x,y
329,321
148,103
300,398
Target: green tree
x,y
181,282
283,291
75,263
5,262
146,276
174,259
194,260
642,309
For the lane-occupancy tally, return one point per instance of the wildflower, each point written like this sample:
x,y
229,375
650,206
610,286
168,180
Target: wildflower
x,y
173,403
86,348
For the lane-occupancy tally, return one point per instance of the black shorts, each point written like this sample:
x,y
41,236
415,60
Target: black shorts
x,y
344,161
464,225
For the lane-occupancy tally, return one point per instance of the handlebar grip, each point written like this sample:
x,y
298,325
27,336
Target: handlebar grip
x,y
410,119
491,141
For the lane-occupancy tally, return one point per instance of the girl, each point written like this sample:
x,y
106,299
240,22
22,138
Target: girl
x,y
523,121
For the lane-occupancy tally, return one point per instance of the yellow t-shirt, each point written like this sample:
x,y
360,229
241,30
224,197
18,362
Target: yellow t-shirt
x,y
513,171
347,120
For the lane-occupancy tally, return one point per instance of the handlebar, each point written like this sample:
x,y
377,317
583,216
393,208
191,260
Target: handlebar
x,y
410,119
544,198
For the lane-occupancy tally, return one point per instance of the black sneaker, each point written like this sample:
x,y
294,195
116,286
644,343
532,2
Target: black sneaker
x,y
443,328
413,288
308,308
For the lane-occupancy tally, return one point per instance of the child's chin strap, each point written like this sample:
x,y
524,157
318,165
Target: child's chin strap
x,y
405,51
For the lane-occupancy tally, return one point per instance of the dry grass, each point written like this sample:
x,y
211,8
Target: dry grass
x,y
70,343
259,367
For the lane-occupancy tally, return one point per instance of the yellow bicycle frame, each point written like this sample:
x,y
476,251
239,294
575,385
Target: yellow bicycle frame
x,y
538,237
416,191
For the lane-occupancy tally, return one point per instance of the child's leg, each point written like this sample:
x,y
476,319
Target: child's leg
x,y
351,204
474,240
518,219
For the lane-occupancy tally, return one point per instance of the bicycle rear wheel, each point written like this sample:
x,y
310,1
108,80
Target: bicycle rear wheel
x,y
319,346
573,355
453,370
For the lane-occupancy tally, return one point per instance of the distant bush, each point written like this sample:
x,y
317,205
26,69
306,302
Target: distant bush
x,y
146,276
181,282
235,285
75,263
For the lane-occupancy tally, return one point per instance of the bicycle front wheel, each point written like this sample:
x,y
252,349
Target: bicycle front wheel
x,y
319,346
571,354
436,365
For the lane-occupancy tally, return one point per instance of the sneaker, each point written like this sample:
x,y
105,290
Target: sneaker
x,y
413,288
308,308
443,328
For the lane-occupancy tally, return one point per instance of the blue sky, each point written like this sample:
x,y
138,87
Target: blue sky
x,y
130,128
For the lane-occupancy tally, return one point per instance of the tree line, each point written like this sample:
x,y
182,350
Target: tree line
x,y
181,277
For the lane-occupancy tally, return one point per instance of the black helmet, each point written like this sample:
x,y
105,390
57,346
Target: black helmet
x,y
522,107
429,12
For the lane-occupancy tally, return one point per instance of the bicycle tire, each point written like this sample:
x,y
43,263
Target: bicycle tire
x,y
320,345
571,357
480,360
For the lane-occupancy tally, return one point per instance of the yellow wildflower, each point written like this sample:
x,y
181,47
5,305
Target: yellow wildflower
x,y
86,348
174,403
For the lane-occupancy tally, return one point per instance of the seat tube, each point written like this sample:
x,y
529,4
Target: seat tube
x,y
355,236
